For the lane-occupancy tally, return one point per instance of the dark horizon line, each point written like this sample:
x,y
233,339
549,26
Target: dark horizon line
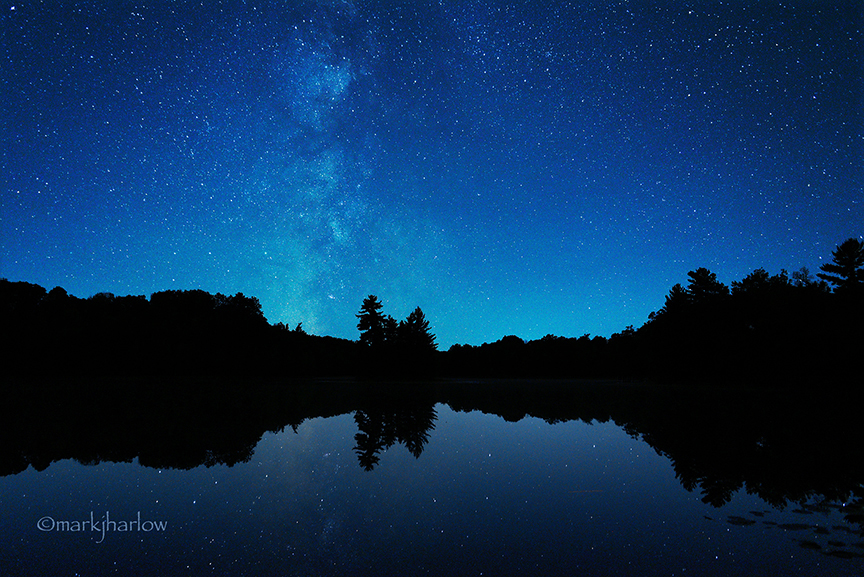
x,y
354,340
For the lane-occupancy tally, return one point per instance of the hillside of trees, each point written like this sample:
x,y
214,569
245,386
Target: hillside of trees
x,y
190,333
763,328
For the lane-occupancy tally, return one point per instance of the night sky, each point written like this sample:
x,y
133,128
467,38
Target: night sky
x,y
511,168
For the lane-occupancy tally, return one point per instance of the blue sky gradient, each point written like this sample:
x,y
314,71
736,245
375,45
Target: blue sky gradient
x,y
512,168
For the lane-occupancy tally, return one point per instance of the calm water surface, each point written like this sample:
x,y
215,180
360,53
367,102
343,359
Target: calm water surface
x,y
484,497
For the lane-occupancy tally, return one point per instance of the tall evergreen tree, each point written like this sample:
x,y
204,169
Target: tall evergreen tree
x,y
372,324
414,333
391,329
847,270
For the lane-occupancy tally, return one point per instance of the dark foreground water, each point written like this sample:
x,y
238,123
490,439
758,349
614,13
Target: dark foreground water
x,y
427,490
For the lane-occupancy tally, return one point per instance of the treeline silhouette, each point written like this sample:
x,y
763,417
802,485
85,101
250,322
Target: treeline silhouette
x,y
763,328
173,333
766,328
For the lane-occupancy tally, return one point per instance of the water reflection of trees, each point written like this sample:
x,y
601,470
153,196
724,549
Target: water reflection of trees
x,y
779,447
383,426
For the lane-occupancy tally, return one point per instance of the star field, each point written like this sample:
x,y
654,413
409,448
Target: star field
x,y
512,168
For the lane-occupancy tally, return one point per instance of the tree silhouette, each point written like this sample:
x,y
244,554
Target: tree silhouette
x,y
756,281
391,329
847,270
676,301
372,324
704,286
414,333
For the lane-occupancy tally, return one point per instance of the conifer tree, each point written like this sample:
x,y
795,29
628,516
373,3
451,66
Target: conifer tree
x,y
414,333
704,286
372,324
847,270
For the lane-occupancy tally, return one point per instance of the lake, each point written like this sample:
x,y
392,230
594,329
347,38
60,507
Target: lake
x,y
588,480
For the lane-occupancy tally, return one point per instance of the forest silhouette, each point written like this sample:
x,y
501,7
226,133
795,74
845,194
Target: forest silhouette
x,y
764,328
